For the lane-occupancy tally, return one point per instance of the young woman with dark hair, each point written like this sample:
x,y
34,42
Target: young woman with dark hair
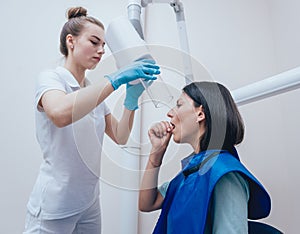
x,y
214,192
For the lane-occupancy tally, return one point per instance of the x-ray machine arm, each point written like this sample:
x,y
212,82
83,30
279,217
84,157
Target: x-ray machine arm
x,y
134,12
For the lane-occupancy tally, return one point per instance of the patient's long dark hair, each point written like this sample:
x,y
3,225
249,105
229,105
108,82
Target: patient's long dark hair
x,y
224,124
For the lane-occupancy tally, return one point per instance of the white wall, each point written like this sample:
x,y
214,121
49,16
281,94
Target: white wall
x,y
240,42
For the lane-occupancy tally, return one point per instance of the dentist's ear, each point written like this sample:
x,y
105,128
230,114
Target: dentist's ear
x,y
70,41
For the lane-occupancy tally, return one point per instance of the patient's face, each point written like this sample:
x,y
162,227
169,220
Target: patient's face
x,y
183,118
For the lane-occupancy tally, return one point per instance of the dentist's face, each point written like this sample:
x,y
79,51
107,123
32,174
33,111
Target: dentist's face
x,y
89,46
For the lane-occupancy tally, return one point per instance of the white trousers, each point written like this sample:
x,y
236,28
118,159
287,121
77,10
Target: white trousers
x,y
86,222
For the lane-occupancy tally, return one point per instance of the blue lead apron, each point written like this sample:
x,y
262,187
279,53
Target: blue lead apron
x,y
185,206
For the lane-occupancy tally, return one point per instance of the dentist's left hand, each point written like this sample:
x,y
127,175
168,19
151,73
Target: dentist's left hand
x,y
133,92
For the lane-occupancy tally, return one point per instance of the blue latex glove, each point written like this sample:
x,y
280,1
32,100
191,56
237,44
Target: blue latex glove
x,y
145,69
133,92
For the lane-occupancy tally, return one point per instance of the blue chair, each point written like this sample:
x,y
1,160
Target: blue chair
x,y
261,228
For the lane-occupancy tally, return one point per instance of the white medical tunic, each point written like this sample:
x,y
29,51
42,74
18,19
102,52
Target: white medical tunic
x,y
68,180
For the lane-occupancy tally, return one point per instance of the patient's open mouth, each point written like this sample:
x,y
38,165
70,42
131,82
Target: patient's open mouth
x,y
172,125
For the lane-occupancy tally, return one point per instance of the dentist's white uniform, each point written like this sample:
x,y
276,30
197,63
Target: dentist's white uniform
x,y
68,182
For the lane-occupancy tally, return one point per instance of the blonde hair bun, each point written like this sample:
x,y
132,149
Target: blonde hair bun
x,y
76,12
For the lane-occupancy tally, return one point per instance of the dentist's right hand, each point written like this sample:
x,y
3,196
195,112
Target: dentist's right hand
x,y
145,69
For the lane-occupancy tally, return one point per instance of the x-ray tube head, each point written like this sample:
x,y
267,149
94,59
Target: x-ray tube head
x,y
127,46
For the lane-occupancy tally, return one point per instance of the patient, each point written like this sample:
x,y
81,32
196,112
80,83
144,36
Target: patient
x,y
214,192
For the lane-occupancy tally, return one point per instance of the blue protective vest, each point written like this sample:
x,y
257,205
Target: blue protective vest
x,y
185,206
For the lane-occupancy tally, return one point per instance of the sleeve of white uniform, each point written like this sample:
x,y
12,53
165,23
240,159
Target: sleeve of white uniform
x,y
47,80
106,109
